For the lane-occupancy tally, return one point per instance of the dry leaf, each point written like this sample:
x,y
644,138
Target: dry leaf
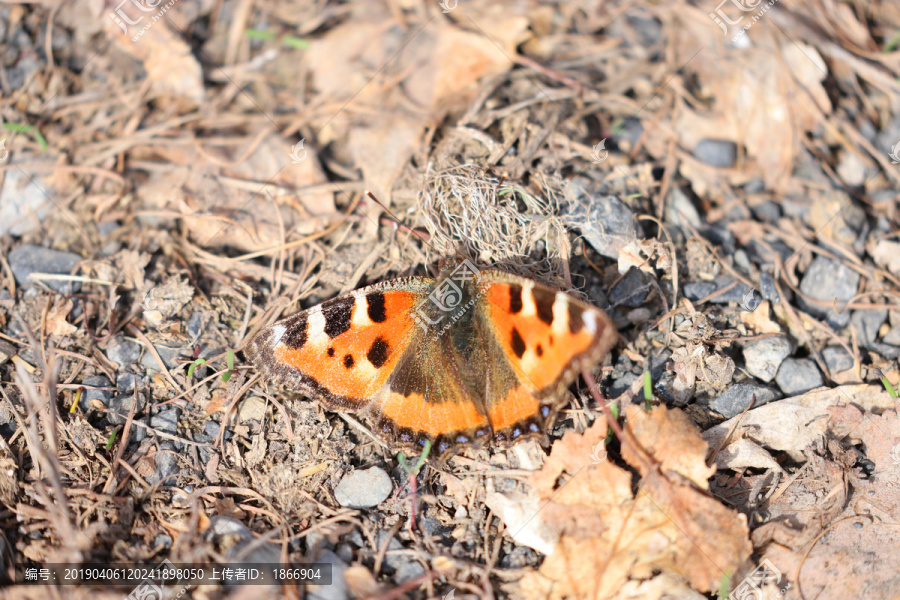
x,y
609,536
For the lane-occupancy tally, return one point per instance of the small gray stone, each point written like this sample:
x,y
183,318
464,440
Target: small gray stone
x,y
126,382
763,357
23,204
716,153
120,406
195,325
338,590
697,290
837,359
885,350
767,288
7,351
735,399
405,566
27,259
680,211
211,428
166,420
161,540
92,398
606,223
825,280
363,488
166,460
122,351
867,323
892,337
798,375
168,354
632,290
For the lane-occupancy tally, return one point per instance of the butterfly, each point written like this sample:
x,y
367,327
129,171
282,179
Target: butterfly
x,y
470,357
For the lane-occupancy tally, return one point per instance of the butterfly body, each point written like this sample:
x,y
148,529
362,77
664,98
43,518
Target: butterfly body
x,y
466,358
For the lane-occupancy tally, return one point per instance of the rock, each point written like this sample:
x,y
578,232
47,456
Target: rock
x,y
837,359
120,406
680,211
27,259
736,398
405,567
211,429
253,408
606,223
338,590
92,398
632,290
867,323
23,204
7,351
363,488
892,337
697,290
716,153
168,354
122,351
767,211
798,375
166,461
126,382
161,540
825,280
166,420
763,357
767,288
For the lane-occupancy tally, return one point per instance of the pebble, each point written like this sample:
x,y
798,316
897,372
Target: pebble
x,y
363,488
701,289
825,280
735,399
122,405
166,460
632,290
28,258
405,567
767,288
7,351
96,399
716,153
680,211
798,375
253,408
168,354
23,204
837,359
763,357
126,382
338,590
166,420
606,223
867,323
122,351
851,168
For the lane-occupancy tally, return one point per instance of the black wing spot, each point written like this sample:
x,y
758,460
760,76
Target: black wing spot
x,y
338,313
539,350
543,302
375,303
518,344
378,353
331,352
576,320
515,298
348,361
295,336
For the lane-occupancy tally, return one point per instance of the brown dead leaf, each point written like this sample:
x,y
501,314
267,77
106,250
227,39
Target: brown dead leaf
x,y
793,424
56,318
609,535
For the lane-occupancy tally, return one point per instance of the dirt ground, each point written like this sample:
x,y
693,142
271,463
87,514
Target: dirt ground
x,y
721,180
